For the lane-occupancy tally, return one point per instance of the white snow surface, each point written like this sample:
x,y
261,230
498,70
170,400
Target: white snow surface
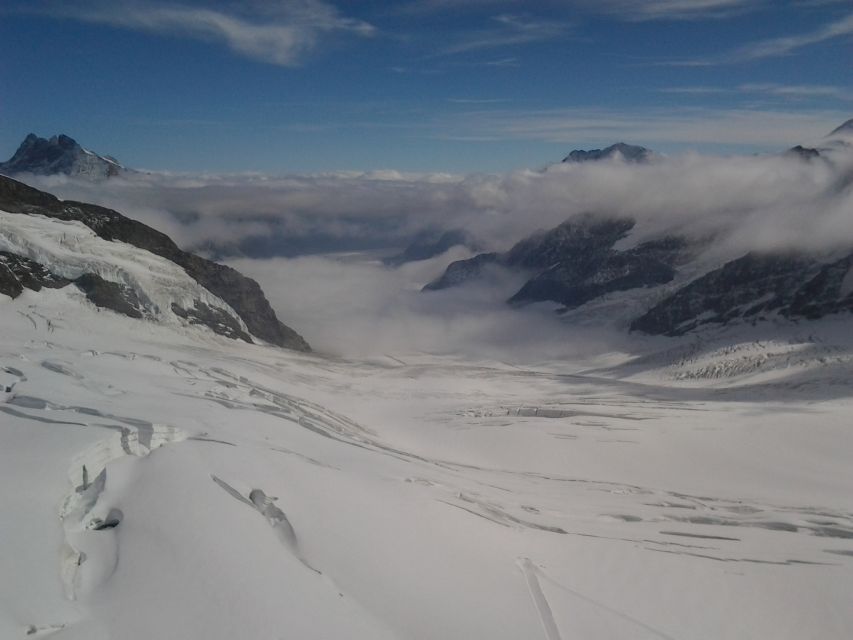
x,y
163,482
70,249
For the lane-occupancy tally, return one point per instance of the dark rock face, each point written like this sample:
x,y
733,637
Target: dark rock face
x,y
575,263
18,273
431,243
59,154
110,295
215,319
579,240
628,152
805,153
10,285
464,270
575,282
830,291
790,284
243,294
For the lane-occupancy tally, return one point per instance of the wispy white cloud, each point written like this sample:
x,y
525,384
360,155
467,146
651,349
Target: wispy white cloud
x,y
774,47
770,89
478,100
695,91
640,10
700,127
801,91
634,10
503,62
507,30
434,6
278,33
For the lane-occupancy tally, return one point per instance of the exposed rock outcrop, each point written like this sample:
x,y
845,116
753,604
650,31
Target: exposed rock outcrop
x,y
18,273
215,319
792,285
576,262
110,295
574,281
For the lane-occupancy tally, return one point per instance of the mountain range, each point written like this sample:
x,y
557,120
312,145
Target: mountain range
x,y
591,258
676,290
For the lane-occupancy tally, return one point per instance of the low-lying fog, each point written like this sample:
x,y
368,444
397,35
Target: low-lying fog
x,y
314,242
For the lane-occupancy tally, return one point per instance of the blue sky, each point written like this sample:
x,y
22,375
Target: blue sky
x,y
420,85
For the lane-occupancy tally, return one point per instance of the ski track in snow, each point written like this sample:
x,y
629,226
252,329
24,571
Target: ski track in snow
x,y
531,575
543,609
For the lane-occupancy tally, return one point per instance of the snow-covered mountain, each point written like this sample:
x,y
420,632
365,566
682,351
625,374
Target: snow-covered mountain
x,y
751,288
127,267
60,154
676,282
576,262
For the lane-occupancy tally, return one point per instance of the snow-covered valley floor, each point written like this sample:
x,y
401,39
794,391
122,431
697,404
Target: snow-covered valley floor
x,y
163,483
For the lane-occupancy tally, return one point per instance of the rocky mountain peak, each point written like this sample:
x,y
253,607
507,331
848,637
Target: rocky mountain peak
x,y
59,154
627,152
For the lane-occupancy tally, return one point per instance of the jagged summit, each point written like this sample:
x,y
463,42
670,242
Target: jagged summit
x,y
59,154
628,152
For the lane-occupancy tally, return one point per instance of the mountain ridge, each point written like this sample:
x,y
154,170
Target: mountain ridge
x,y
242,294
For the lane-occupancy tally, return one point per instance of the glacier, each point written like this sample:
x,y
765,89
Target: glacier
x,y
162,481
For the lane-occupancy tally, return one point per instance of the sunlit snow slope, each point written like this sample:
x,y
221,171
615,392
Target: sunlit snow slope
x,y
163,482
71,249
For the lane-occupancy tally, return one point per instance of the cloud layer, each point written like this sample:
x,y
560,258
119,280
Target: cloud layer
x,y
347,302
383,209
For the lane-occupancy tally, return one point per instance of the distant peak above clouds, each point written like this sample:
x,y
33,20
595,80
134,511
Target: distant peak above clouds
x,y
845,129
626,152
60,154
